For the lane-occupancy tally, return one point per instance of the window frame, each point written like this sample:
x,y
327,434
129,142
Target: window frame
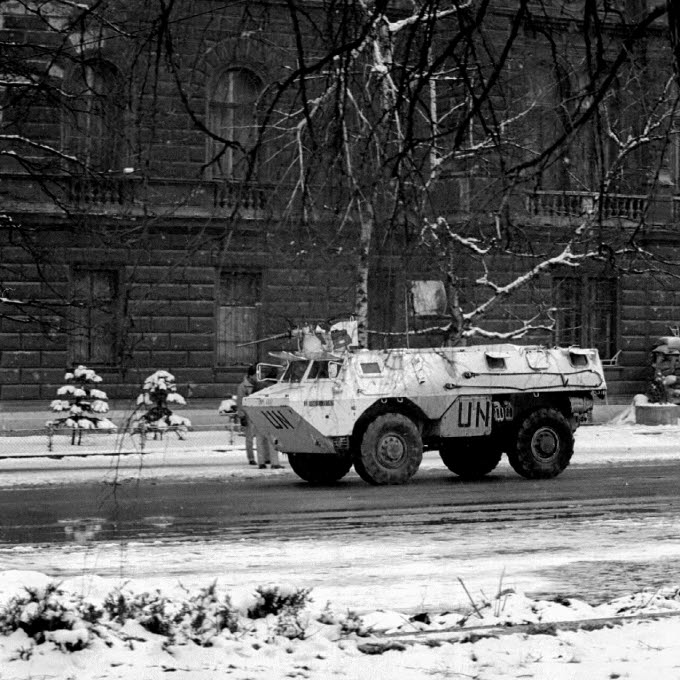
x,y
88,310
254,304
99,142
585,287
221,162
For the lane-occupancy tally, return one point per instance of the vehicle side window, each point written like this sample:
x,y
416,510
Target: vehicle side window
x,y
578,359
318,371
334,369
295,371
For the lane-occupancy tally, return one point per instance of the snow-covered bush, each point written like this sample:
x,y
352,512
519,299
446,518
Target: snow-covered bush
x,y
49,615
276,599
279,611
200,617
208,615
82,404
157,613
159,392
353,624
291,624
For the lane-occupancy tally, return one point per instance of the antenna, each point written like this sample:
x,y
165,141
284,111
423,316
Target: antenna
x,y
408,345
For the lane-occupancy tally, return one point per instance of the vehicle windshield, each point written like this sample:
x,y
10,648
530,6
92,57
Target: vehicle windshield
x,y
324,370
295,371
318,370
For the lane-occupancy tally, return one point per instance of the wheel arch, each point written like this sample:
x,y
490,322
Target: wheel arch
x,y
392,405
526,404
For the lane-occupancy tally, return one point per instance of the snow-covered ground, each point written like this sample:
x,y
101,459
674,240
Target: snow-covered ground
x,y
148,634
324,639
220,454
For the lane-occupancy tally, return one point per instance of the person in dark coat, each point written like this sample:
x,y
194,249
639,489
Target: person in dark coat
x,y
266,452
246,388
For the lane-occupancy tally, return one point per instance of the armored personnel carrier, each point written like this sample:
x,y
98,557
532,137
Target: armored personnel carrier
x,y
379,409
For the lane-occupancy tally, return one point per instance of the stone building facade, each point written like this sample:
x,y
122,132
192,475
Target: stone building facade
x,y
149,242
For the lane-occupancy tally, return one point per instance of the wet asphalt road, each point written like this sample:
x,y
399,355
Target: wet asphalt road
x,y
283,506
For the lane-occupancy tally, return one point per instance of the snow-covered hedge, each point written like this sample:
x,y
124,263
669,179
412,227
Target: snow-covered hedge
x,y
47,631
273,632
48,613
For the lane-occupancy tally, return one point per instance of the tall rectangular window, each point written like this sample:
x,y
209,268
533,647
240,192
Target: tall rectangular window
x,y
93,116
238,316
232,115
94,333
386,308
587,312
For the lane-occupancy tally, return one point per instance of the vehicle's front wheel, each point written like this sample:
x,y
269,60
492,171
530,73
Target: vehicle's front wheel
x,y
319,468
471,459
391,450
544,445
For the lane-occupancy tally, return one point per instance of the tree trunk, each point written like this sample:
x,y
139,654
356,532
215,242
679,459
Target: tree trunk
x,y
367,217
674,30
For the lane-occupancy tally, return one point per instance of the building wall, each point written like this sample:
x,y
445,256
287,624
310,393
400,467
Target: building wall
x,y
169,227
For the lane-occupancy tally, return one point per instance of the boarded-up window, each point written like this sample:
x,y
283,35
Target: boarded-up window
x,y
238,317
587,312
93,337
385,308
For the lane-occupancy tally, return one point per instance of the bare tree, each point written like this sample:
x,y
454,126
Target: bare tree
x,y
399,104
406,127
83,114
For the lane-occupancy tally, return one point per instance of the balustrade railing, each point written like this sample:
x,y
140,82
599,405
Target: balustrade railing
x,y
122,193
676,209
109,193
241,195
116,191
581,204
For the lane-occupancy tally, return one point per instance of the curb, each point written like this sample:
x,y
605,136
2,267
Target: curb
x,y
385,641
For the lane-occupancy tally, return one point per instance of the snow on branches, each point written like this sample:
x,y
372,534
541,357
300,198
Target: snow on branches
x,y
81,404
158,393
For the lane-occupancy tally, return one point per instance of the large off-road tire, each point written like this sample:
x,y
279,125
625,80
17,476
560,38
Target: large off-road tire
x,y
471,458
391,450
319,468
544,445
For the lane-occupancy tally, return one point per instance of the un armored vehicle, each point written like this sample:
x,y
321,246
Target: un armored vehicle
x,y
379,409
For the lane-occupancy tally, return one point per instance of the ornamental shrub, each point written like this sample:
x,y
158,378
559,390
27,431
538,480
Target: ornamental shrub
x,y
82,404
159,392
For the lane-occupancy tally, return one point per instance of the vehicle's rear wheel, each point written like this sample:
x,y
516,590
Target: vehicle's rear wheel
x,y
391,450
471,459
544,446
319,468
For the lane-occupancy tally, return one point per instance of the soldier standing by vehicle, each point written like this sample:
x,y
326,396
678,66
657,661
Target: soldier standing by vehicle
x,y
246,388
266,453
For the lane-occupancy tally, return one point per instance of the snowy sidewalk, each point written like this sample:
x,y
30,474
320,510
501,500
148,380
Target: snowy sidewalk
x,y
593,442
221,454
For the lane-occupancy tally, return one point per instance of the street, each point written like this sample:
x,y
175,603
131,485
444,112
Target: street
x,y
285,506
598,530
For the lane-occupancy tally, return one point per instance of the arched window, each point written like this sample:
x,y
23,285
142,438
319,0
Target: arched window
x,y
232,115
93,115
